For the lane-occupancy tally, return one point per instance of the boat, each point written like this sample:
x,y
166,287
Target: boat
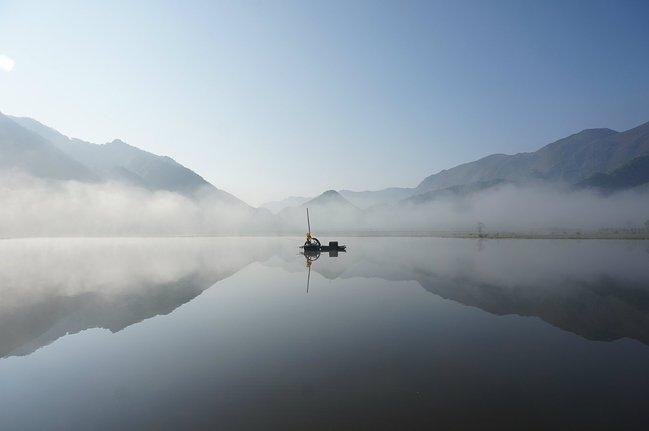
x,y
312,244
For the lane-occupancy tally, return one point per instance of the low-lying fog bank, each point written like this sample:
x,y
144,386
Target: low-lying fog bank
x,y
514,208
34,207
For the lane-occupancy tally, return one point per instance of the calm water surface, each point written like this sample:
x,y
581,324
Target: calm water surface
x,y
398,333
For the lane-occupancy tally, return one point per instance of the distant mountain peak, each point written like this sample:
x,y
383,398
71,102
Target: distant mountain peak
x,y
330,193
328,210
118,142
277,206
597,131
328,197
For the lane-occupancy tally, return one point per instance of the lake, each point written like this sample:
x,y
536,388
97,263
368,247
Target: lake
x,y
397,333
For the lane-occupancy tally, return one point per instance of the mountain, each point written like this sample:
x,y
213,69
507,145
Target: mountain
x,y
368,199
454,191
632,174
330,197
119,161
291,201
330,210
569,160
28,152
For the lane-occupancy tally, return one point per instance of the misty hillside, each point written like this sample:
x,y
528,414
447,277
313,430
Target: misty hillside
x,y
569,160
454,191
368,199
111,193
119,161
330,210
632,174
291,201
329,198
26,151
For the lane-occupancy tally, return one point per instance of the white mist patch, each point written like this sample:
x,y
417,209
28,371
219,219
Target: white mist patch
x,y
6,63
511,208
36,207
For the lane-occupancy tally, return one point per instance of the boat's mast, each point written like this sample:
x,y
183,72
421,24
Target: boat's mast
x,y
308,222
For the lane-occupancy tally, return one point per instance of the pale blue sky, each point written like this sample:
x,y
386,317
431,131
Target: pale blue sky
x,y
267,99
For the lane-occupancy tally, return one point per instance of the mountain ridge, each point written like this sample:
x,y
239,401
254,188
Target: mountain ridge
x,y
43,151
277,206
27,151
119,161
567,160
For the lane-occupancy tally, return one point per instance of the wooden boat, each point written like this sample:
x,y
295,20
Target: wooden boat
x,y
312,244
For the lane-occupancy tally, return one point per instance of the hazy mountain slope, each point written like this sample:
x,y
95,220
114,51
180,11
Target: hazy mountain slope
x,y
119,161
489,168
454,191
27,151
330,210
632,174
570,159
330,197
291,201
565,158
367,199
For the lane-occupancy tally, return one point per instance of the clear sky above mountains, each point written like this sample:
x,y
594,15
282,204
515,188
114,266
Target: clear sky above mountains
x,y
270,99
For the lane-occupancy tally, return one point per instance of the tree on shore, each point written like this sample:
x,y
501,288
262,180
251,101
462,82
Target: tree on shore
x,y
481,228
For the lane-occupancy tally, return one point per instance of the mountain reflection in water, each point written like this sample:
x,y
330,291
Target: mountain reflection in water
x,y
599,290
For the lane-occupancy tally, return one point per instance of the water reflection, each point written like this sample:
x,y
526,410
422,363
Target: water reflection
x,y
596,289
53,287
400,333
50,288
311,256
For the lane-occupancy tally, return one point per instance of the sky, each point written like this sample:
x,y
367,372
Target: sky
x,y
269,99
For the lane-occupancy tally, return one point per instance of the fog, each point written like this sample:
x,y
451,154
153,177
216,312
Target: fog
x,y
35,207
514,208
507,208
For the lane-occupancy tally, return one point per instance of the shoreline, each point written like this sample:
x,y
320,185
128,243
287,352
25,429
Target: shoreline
x,y
640,236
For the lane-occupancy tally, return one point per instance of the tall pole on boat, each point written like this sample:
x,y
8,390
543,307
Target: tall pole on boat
x,y
308,222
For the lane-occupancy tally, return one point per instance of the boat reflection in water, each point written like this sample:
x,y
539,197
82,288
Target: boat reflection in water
x,y
312,249
313,255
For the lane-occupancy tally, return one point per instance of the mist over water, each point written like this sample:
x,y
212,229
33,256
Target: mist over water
x,y
415,332
522,208
34,207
